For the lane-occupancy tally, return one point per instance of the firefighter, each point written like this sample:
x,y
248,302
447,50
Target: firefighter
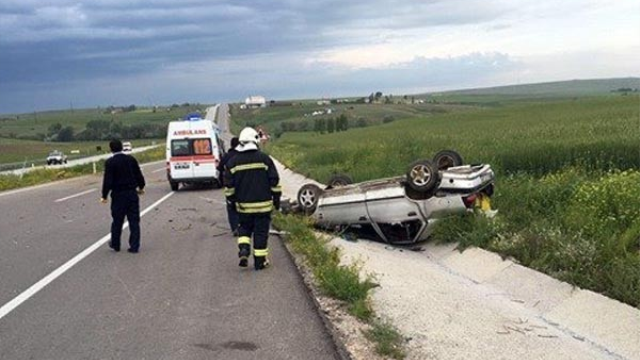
x,y
252,183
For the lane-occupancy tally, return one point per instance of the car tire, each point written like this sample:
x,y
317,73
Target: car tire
x,y
308,197
339,180
446,159
174,185
422,176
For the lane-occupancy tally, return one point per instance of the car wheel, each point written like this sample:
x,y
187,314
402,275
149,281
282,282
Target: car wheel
x,y
174,185
446,159
308,197
339,180
422,176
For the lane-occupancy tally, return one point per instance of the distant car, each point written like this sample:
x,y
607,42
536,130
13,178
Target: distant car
x,y
56,158
401,209
126,147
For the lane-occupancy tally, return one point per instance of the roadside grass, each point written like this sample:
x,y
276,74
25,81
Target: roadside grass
x,y
580,227
342,282
567,180
387,339
41,176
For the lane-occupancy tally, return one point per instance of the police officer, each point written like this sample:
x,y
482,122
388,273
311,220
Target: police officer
x,y
252,182
123,178
232,213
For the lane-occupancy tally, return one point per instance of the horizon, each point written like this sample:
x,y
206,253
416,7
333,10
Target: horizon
x,y
102,106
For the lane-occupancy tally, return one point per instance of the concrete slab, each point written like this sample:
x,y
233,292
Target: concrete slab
x,y
440,251
476,264
533,289
608,322
446,316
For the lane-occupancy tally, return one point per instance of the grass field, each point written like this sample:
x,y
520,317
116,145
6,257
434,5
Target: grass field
x,y
35,125
567,187
270,118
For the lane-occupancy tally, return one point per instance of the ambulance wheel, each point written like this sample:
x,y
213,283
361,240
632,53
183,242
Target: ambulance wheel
x,y
308,197
422,176
446,159
174,185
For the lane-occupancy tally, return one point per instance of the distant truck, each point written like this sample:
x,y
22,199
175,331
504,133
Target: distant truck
x,y
126,147
194,149
56,158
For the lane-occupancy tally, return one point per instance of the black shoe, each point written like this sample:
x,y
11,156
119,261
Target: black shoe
x,y
244,261
132,251
262,265
116,249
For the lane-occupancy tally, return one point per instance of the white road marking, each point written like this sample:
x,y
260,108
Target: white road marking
x,y
35,288
76,195
158,170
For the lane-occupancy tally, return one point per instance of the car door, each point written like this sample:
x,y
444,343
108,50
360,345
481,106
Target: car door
x,y
204,163
181,162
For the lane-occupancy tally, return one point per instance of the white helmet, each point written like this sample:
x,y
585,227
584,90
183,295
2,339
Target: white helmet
x,y
249,139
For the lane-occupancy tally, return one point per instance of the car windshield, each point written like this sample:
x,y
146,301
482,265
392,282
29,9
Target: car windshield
x,y
55,153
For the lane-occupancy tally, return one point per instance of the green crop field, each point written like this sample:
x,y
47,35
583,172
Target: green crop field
x,y
35,125
271,118
568,179
21,135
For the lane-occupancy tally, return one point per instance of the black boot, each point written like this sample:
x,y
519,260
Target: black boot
x,y
243,254
260,262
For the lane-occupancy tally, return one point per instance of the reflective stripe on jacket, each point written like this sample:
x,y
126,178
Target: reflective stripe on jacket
x,y
252,181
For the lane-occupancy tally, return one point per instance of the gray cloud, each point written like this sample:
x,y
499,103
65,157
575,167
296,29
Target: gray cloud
x,y
275,76
105,51
77,40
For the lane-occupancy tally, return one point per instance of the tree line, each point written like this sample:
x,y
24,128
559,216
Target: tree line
x,y
105,130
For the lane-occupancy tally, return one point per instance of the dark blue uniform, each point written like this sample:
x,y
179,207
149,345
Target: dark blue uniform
x,y
252,183
122,176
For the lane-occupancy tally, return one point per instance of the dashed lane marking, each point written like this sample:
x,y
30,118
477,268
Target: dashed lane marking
x,y
35,288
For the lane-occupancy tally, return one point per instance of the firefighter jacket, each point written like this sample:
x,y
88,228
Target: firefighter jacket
x,y
252,182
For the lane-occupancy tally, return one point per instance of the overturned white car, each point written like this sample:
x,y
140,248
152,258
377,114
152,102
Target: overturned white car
x,y
401,209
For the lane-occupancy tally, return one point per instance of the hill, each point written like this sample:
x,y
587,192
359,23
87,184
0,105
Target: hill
x,y
557,88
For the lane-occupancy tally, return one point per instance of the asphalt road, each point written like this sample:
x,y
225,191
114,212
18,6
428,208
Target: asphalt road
x,y
182,297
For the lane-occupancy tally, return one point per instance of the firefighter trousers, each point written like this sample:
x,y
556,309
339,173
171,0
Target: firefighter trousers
x,y
254,226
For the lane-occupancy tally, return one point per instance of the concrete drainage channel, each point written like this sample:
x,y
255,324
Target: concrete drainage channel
x,y
474,305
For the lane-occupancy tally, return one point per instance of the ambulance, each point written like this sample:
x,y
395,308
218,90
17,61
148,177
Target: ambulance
x,y
194,149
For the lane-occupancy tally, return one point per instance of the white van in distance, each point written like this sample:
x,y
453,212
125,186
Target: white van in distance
x,y
194,149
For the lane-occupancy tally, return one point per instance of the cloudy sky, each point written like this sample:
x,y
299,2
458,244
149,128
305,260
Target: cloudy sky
x,y
60,53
